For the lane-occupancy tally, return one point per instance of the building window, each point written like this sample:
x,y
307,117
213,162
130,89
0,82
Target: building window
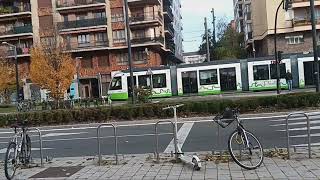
x,y
81,16
103,61
101,37
261,72
119,36
99,15
139,57
273,71
208,77
159,81
86,63
122,59
138,34
117,17
116,83
83,39
295,39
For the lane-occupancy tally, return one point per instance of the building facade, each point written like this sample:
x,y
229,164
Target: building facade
x,y
194,58
243,22
94,32
293,27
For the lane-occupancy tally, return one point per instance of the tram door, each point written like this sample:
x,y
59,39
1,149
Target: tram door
x,y
129,84
189,82
228,80
308,73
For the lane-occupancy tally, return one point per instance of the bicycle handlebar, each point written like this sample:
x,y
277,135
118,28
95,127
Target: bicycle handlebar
x,y
172,107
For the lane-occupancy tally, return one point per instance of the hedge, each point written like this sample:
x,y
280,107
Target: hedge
x,y
152,111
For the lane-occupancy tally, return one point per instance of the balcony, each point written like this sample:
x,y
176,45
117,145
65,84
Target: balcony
x,y
167,2
303,3
147,40
21,52
17,31
142,2
171,46
86,46
167,11
302,22
142,19
14,11
77,4
82,24
168,27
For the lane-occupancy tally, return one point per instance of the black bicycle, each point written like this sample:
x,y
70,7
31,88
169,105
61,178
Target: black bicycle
x,y
18,151
244,147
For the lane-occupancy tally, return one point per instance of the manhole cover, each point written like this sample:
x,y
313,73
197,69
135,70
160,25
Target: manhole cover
x,y
56,172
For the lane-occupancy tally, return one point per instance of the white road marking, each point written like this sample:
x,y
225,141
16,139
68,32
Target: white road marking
x,y
181,135
63,134
89,138
299,123
305,135
4,150
299,129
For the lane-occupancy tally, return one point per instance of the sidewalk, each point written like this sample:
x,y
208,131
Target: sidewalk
x,y
143,167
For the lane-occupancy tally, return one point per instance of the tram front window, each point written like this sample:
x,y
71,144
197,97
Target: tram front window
x,y
116,84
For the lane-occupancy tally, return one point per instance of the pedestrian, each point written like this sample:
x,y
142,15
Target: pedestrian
x,y
289,80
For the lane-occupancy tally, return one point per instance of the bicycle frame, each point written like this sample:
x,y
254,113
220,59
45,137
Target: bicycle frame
x,y
242,130
22,134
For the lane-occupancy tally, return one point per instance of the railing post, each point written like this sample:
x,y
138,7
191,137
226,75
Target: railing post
x,y
157,140
40,144
308,132
115,141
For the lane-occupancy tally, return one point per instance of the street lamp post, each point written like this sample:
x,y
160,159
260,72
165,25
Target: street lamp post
x,y
275,49
78,74
16,68
314,41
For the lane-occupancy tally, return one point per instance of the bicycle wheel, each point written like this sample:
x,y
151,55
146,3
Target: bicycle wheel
x,y
10,161
247,157
26,155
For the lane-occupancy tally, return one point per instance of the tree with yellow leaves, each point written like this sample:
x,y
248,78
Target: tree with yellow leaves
x,y
51,68
7,79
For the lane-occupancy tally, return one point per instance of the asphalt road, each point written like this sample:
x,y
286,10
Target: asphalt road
x,y
67,141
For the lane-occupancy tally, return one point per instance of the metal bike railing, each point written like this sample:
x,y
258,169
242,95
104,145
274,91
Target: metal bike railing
x,y
288,131
40,143
157,138
115,141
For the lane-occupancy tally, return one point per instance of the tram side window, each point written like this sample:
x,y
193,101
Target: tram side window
x,y
261,72
159,81
144,81
116,83
273,71
208,77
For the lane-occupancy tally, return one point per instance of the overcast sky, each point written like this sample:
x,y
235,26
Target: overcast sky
x,y
193,13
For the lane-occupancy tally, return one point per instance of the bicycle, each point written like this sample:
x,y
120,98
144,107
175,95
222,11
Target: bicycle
x,y
18,151
250,152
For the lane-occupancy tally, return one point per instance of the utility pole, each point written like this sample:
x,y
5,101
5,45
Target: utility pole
x,y
314,40
214,27
129,50
207,39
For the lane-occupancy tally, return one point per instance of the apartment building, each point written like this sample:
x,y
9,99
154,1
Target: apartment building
x,y
293,27
243,23
94,33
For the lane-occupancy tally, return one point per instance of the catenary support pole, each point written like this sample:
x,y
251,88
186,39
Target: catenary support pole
x,y
129,50
207,39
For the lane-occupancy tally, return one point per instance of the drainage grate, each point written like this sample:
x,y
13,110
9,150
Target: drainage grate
x,y
58,172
